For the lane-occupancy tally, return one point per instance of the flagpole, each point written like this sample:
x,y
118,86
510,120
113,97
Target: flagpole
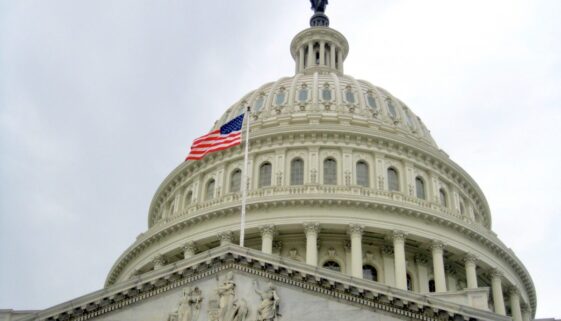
x,y
245,176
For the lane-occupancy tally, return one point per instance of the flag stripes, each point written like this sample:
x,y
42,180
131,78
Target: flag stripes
x,y
227,136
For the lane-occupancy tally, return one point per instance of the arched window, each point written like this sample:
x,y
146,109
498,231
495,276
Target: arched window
x,y
409,282
332,265
236,181
265,174
326,93
420,187
443,199
393,179
391,109
297,172
369,273
362,175
371,101
432,286
259,103
209,192
329,171
349,96
303,94
280,97
188,198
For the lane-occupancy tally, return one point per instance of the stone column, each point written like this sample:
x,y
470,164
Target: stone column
x,y
267,234
389,265
225,237
340,61
355,232
301,59
322,53
332,56
422,272
470,262
312,231
438,266
159,261
515,304
526,313
189,249
497,289
311,59
399,259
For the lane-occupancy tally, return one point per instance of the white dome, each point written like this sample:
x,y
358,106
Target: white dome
x,y
332,156
327,95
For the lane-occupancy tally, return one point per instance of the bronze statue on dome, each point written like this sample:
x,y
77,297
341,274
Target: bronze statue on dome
x,y
319,5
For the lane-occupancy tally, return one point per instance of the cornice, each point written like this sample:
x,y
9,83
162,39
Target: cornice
x,y
370,295
395,205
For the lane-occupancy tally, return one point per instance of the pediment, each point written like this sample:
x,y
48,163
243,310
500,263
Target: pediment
x,y
198,286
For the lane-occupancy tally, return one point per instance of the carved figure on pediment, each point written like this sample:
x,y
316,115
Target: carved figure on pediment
x,y
230,308
269,308
189,307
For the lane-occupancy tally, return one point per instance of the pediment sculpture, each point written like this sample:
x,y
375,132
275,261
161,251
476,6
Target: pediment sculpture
x,y
189,306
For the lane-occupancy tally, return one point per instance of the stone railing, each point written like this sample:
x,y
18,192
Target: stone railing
x,y
330,191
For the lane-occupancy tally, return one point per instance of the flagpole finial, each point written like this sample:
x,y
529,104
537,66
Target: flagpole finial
x,y
319,19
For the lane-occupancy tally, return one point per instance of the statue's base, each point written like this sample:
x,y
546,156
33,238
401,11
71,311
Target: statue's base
x,y
319,19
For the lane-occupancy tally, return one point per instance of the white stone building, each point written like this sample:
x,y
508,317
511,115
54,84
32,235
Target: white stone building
x,y
353,213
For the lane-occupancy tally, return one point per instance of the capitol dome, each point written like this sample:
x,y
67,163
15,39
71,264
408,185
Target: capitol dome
x,y
345,178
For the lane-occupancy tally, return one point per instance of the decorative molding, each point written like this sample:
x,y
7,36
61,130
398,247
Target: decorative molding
x,y
311,229
355,230
268,230
470,258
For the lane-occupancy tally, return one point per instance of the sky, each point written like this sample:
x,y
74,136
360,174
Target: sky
x,y
100,100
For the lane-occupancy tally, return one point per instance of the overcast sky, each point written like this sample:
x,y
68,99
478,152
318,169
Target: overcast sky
x,y
99,101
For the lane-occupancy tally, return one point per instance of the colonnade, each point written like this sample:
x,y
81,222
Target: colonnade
x,y
355,232
306,56
394,264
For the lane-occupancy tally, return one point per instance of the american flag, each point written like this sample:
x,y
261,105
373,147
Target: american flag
x,y
227,136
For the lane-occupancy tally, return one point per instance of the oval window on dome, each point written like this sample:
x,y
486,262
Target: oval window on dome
x,y
326,94
371,101
259,102
349,96
280,97
408,118
303,94
391,109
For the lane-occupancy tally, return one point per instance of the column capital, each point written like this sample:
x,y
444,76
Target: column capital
x,y
312,227
398,235
513,290
158,261
355,229
437,245
190,246
225,237
421,258
268,230
470,258
495,273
